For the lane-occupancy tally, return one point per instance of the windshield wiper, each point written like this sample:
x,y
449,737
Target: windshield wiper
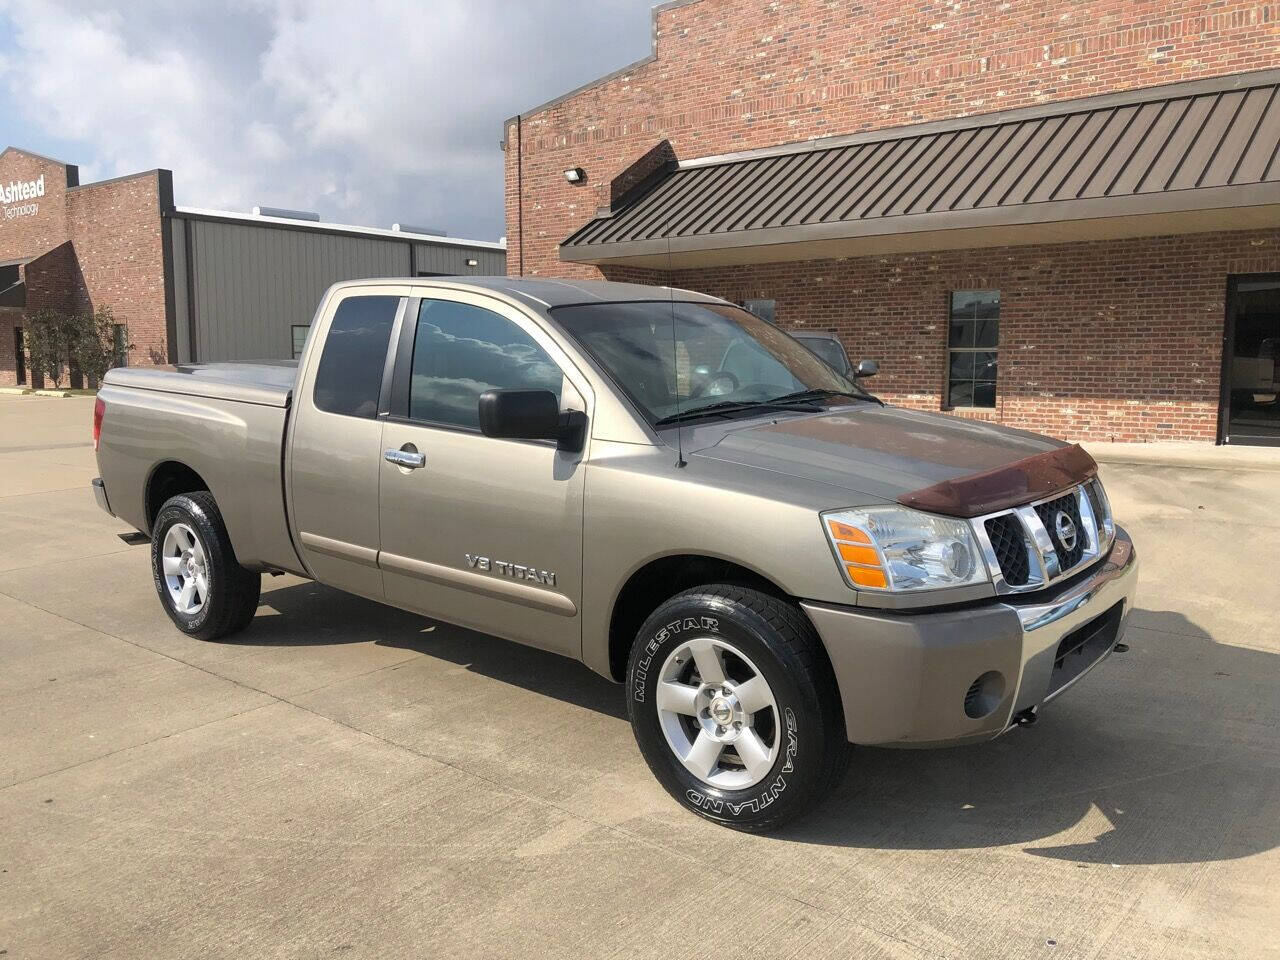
x,y
804,396
727,407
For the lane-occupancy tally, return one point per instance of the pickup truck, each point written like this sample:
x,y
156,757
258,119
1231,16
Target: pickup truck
x,y
773,562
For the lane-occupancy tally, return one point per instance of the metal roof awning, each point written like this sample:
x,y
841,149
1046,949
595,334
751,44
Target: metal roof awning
x,y
1186,158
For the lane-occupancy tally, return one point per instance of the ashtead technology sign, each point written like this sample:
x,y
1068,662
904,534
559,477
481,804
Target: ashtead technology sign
x,y
19,196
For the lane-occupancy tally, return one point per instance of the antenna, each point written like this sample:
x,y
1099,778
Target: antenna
x,y
675,362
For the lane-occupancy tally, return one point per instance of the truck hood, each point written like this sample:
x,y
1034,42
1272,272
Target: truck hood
x,y
882,452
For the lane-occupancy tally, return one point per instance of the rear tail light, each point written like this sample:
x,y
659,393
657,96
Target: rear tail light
x,y
99,408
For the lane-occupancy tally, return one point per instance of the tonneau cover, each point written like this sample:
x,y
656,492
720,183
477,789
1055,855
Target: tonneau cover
x,y
268,383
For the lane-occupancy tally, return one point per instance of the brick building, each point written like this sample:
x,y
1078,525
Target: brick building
x,y
186,284
1057,215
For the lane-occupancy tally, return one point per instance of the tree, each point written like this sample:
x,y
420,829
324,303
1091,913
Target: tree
x,y
101,344
50,336
58,342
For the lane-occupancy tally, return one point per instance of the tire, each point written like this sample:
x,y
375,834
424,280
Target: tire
x,y
189,527
788,738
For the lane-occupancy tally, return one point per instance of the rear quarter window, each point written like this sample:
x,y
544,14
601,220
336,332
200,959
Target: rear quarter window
x,y
349,377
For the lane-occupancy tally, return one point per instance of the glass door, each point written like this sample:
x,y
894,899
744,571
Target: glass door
x,y
1251,365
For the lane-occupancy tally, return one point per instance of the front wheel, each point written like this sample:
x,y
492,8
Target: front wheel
x,y
202,587
734,706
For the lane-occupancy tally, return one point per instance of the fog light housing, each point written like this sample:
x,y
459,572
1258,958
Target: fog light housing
x,y
984,695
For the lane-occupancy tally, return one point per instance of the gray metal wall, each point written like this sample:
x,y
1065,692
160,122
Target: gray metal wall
x,y
249,285
441,258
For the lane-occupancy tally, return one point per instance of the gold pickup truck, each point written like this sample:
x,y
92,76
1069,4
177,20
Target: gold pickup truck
x,y
675,492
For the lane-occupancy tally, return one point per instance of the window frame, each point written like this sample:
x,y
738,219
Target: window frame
x,y
401,365
947,403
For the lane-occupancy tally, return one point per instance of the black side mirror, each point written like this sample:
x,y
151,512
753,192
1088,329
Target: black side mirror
x,y
531,415
866,368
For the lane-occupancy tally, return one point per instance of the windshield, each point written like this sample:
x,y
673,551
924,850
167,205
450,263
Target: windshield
x,y
719,355
828,350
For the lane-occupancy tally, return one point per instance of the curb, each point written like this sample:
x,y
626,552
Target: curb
x,y
1192,456
14,391
51,393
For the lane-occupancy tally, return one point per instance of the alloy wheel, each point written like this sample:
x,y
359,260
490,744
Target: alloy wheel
x,y
718,714
185,568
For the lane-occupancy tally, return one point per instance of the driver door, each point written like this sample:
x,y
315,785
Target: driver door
x,y
482,532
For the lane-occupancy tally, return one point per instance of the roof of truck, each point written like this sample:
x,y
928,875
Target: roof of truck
x,y
555,292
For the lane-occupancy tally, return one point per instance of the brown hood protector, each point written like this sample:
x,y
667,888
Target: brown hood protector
x,y
1012,485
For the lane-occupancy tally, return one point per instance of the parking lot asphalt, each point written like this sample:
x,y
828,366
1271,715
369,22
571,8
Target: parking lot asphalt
x,y
348,780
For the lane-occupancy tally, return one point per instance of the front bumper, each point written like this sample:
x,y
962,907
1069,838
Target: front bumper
x,y
963,675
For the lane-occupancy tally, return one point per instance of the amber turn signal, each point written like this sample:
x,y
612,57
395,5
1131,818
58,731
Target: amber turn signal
x,y
842,531
867,576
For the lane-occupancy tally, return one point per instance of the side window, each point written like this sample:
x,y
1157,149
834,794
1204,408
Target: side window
x,y
971,348
349,377
460,351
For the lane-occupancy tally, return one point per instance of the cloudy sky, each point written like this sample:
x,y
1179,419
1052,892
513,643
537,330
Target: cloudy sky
x,y
366,111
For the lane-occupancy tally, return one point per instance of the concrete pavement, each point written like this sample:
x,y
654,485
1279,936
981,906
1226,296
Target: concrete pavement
x,y
348,780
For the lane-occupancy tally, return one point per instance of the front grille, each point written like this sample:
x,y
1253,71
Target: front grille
x,y
1083,647
1010,546
1095,501
1068,557
1033,546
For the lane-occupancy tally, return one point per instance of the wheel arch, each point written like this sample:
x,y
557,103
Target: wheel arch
x,y
168,478
661,578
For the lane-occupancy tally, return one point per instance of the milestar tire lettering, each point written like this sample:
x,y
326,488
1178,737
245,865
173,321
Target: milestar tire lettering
x,y
671,629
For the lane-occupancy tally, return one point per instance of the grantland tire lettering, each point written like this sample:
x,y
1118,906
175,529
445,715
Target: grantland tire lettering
x,y
650,648
771,791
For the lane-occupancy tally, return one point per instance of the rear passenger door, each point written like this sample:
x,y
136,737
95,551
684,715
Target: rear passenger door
x,y
335,441
477,531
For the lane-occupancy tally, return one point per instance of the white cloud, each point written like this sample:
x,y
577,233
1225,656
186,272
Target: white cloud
x,y
371,112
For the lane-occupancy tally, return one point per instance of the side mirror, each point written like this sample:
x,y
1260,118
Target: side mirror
x,y
530,415
866,368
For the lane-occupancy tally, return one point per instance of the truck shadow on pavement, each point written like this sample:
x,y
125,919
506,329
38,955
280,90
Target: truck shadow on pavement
x,y
311,614
1165,754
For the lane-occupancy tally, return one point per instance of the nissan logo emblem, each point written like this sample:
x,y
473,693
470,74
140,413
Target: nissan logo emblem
x,y
1066,530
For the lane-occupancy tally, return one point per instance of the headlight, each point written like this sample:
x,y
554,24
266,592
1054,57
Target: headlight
x,y
896,548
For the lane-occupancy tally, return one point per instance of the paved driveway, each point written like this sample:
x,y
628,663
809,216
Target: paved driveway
x,y
347,780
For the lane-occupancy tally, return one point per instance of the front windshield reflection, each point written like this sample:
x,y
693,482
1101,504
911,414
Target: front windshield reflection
x,y
682,357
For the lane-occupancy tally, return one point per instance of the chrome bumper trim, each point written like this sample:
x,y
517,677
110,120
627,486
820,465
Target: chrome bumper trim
x,y
1045,624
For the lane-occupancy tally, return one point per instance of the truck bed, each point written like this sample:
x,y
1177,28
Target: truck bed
x,y
226,422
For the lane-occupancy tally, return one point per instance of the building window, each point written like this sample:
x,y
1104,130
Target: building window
x,y
299,338
20,356
971,344
764,309
119,345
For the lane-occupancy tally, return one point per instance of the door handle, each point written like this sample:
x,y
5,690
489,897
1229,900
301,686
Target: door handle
x,y
410,459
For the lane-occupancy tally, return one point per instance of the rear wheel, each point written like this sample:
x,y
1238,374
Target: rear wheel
x,y
201,585
734,706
